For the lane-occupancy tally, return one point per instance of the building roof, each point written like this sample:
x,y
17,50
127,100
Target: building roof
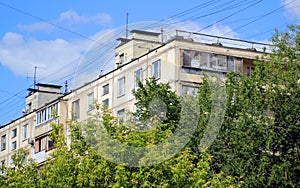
x,y
49,85
144,32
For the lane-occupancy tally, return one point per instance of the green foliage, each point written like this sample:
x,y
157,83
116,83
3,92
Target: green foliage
x,y
259,140
152,96
257,144
82,164
23,174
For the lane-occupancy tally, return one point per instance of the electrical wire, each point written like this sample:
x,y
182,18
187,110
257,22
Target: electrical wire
x,y
235,13
259,18
93,60
50,23
220,9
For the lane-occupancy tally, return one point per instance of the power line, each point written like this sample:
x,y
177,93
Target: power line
x,y
259,18
222,6
186,12
50,23
237,12
8,101
93,60
240,20
260,33
16,95
193,9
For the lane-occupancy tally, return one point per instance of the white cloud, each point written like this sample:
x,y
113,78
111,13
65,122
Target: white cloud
x,y
101,18
12,39
72,16
38,26
215,29
56,58
221,30
292,7
21,55
68,18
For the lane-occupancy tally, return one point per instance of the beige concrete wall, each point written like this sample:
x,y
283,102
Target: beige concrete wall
x,y
170,56
21,142
171,65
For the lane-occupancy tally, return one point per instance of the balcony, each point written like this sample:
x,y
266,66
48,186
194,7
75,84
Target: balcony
x,y
40,156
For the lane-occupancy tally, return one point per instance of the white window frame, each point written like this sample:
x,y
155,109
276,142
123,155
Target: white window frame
x,y
3,142
208,61
14,133
90,101
105,89
14,145
76,112
138,76
105,104
121,87
156,70
25,131
46,114
121,115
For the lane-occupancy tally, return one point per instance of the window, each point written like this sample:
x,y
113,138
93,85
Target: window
x,y
25,132
105,103
14,133
75,109
90,101
120,115
208,61
156,69
122,58
50,144
218,62
230,63
3,142
14,145
249,70
11,160
137,77
2,166
189,90
121,86
29,107
39,145
47,114
24,160
43,144
105,89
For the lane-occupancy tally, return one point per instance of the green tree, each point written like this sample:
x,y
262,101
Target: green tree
x,y
24,172
83,164
259,140
185,169
152,96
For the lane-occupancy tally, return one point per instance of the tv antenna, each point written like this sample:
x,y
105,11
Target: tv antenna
x,y
127,25
35,75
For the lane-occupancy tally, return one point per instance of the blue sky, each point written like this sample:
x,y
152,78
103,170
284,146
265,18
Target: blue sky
x,y
26,40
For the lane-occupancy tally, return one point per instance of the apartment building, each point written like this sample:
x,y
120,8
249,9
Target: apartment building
x,y
181,61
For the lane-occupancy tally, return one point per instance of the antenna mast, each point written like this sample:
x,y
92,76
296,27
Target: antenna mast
x,y
162,34
127,25
34,77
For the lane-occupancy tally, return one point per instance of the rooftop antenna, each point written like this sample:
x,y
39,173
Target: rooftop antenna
x,y
162,34
101,71
66,86
127,25
34,76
